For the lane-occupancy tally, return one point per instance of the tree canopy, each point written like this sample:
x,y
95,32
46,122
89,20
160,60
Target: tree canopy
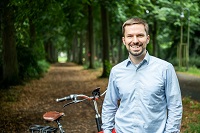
x,y
89,33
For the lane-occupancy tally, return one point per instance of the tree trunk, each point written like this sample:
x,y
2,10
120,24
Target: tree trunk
x,y
75,47
51,52
120,50
154,33
80,58
86,48
91,37
106,44
10,62
32,33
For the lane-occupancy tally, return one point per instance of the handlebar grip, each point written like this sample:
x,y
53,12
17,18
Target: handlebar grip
x,y
64,98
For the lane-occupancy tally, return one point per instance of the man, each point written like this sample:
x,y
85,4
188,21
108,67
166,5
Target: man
x,y
143,94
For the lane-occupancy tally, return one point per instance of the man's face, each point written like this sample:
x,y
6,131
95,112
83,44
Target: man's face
x,y
135,39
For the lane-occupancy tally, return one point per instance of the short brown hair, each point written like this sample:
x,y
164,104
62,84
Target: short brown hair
x,y
135,21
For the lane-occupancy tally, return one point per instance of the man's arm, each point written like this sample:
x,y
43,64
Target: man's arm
x,y
110,106
174,101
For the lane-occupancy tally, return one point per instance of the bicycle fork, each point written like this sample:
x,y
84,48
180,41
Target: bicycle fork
x,y
97,116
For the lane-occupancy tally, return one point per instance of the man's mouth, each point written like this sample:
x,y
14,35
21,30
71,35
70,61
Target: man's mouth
x,y
135,46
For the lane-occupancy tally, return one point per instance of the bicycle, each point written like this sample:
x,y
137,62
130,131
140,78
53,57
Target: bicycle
x,y
56,116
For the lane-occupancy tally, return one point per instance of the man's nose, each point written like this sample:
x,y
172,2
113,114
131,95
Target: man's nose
x,y
134,39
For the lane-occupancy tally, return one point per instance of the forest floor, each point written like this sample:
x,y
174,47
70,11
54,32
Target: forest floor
x,y
24,105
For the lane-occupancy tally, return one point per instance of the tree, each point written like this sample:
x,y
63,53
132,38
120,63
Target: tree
x,y
91,37
106,41
10,63
75,27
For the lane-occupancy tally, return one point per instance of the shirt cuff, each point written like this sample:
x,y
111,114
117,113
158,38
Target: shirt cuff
x,y
107,131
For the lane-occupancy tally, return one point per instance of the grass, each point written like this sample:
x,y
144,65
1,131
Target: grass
x,y
194,71
191,116
191,108
191,70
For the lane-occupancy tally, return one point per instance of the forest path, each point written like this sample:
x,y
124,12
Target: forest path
x,y
38,97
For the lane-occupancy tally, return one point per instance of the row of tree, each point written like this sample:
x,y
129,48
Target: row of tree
x,y
88,31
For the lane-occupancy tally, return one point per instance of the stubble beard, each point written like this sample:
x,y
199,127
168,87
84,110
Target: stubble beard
x,y
137,54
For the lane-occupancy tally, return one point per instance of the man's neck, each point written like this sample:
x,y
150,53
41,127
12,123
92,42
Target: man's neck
x,y
137,59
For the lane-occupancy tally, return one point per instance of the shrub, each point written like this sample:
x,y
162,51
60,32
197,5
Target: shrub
x,y
195,61
30,66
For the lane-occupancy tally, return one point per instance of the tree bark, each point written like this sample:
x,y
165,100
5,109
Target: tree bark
x,y
106,40
91,37
80,58
51,52
10,62
154,34
32,33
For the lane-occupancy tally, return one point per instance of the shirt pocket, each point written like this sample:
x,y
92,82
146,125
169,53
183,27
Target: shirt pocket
x,y
152,95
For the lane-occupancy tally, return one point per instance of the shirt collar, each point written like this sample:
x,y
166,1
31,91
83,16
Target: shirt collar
x,y
146,59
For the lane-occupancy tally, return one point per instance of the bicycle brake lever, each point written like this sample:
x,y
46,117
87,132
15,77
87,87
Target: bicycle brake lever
x,y
96,92
75,101
68,104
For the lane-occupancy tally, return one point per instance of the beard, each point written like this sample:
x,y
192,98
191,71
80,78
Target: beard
x,y
137,53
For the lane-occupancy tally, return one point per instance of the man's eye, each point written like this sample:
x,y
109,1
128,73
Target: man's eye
x,y
140,35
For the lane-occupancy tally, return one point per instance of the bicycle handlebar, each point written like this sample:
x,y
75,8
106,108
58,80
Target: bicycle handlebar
x,y
64,98
74,97
81,97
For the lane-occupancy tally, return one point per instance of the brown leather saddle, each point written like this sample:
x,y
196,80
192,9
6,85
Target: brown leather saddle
x,y
52,115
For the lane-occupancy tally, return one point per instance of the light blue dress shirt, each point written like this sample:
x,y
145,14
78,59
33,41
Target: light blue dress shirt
x,y
149,95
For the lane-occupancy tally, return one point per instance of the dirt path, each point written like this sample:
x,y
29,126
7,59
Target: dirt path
x,y
38,97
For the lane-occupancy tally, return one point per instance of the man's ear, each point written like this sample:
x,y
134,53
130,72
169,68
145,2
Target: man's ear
x,y
123,40
148,39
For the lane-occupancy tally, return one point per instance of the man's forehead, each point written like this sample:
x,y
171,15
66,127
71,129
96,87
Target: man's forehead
x,y
135,27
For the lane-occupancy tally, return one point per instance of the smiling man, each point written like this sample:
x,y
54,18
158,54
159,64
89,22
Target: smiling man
x,y
143,94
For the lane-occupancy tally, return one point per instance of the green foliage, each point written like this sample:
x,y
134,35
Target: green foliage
x,y
150,48
191,70
29,64
194,127
186,100
194,66
194,70
108,67
195,61
43,66
97,64
59,21
192,104
191,117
